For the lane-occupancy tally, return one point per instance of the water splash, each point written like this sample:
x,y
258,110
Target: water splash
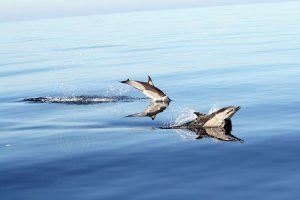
x,y
118,89
68,90
64,81
186,135
213,108
182,115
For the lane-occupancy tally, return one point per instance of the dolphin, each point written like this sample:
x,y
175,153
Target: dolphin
x,y
218,119
152,110
149,90
216,125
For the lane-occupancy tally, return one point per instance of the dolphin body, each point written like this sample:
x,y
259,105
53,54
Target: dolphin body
x,y
216,125
149,90
152,110
218,119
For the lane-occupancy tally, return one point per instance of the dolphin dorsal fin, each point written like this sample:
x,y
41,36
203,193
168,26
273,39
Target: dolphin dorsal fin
x,y
150,81
199,114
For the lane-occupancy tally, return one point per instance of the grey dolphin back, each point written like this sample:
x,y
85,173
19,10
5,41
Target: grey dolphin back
x,y
218,118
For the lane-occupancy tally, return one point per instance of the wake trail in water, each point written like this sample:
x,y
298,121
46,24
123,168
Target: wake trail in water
x,y
80,100
114,93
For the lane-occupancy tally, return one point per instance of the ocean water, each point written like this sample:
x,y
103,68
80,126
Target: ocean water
x,y
78,144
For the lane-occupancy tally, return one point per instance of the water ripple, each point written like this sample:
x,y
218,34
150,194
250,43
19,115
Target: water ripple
x,y
87,47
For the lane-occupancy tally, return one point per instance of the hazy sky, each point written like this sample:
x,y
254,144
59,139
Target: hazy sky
x,y
35,9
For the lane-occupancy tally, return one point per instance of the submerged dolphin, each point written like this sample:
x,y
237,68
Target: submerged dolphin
x,y
218,119
152,110
149,90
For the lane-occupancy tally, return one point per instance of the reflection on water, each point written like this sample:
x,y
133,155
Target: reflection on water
x,y
152,110
218,133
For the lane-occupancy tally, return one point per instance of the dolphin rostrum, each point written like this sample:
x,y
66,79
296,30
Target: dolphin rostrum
x,y
149,90
152,110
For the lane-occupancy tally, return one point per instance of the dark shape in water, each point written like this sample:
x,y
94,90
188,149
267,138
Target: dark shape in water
x,y
82,99
219,133
152,110
148,89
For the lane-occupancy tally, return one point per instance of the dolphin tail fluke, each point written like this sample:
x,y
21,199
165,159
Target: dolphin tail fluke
x,y
199,114
124,81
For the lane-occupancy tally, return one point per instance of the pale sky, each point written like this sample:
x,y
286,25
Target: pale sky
x,y
11,10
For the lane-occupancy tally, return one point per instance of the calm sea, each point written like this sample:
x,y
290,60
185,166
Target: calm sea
x,y
203,58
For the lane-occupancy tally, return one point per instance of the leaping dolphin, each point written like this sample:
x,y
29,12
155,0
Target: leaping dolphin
x,y
152,110
215,125
218,119
149,90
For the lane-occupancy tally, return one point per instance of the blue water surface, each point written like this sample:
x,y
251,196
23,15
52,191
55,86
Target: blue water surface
x,y
203,58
